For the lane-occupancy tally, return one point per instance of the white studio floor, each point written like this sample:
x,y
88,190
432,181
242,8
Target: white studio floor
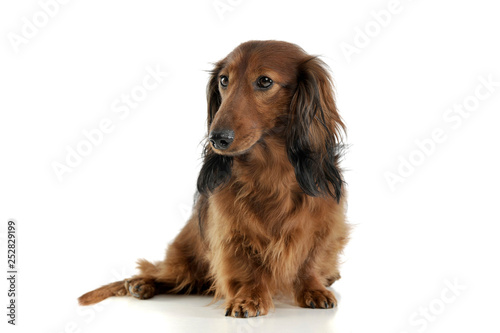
x,y
190,313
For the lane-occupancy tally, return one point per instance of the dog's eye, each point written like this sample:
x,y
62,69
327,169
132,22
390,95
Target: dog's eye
x,y
264,82
224,80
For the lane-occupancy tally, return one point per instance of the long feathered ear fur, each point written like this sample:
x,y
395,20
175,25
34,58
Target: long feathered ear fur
x,y
313,132
216,169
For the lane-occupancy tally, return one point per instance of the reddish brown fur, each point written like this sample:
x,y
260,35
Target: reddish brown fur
x,y
260,234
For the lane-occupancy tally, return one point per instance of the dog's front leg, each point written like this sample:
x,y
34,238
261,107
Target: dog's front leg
x,y
248,301
242,281
309,292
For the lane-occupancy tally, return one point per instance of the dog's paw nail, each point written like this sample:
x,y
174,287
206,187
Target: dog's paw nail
x,y
227,312
333,305
258,313
132,293
312,305
326,305
236,313
246,314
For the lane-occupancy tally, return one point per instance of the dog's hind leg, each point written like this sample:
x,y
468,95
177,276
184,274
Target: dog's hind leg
x,y
184,270
141,286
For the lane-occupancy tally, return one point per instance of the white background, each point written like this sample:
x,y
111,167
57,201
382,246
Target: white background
x,y
131,195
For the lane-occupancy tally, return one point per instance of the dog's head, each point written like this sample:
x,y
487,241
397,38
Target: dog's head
x,y
267,88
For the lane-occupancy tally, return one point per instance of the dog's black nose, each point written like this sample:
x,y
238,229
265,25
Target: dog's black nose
x,y
221,139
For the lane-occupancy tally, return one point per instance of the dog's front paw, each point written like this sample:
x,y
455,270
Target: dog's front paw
x,y
247,307
317,299
140,288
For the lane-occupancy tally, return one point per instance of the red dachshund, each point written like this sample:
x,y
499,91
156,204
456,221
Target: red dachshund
x,y
269,217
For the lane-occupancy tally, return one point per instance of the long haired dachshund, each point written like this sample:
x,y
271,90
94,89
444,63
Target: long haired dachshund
x,y
269,216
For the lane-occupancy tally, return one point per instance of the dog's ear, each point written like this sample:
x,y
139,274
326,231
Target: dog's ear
x,y
216,169
314,130
214,98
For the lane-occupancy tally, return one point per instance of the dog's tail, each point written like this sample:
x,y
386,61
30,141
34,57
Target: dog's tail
x,y
95,296
178,274
142,286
